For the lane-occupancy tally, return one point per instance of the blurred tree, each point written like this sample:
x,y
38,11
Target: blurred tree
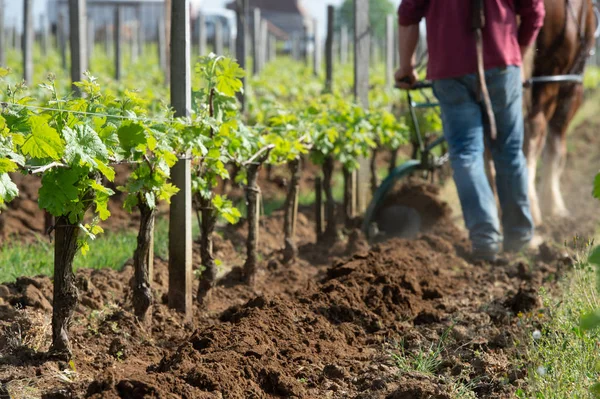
x,y
378,10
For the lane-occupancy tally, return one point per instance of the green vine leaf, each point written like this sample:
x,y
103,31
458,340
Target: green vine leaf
x,y
8,189
44,141
83,144
131,135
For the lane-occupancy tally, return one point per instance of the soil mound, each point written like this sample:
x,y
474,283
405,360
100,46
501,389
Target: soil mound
x,y
351,330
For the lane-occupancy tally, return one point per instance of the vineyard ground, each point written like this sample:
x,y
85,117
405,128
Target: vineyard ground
x,y
402,319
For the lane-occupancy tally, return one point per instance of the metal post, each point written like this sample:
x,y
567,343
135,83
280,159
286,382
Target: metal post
x,y
28,41
255,41
362,41
329,49
118,22
180,220
201,34
242,8
218,38
389,50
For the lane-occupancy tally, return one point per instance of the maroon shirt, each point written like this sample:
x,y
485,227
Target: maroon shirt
x,y
451,41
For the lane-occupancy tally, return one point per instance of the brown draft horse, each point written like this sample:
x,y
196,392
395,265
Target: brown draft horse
x,y
562,47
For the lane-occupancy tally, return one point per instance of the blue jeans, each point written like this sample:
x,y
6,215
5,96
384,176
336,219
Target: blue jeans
x,y
462,119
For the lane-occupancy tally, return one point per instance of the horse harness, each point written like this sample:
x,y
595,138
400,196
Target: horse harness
x,y
574,76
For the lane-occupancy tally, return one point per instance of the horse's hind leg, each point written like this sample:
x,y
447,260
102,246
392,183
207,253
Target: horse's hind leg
x,y
535,135
555,152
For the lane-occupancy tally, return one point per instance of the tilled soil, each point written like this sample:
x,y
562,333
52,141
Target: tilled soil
x,y
304,331
401,319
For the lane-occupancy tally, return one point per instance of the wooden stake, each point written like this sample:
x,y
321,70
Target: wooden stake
x,y
390,51
44,32
242,8
329,49
62,40
78,34
319,210
91,41
180,220
362,41
256,41
201,34
162,46
344,45
118,23
219,49
316,49
28,38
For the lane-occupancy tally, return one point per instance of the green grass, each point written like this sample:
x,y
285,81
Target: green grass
x,y
110,250
427,362
565,361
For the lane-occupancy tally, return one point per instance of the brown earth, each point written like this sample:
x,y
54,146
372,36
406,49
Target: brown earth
x,y
345,321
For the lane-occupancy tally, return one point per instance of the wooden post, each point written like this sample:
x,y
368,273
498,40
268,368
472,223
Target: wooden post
x,y
316,49
304,45
201,34
162,45
329,49
272,48
2,36
264,37
91,40
78,34
319,209
344,45
242,7
218,38
28,39
62,39
232,42
389,50
108,39
139,32
167,48
180,220
135,51
44,35
256,41
362,41
396,51
296,46
16,39
118,22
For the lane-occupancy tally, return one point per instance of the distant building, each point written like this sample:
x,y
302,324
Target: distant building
x,y
286,15
102,15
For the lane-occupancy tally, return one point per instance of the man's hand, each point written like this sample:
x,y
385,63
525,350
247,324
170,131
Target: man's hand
x,y
406,77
